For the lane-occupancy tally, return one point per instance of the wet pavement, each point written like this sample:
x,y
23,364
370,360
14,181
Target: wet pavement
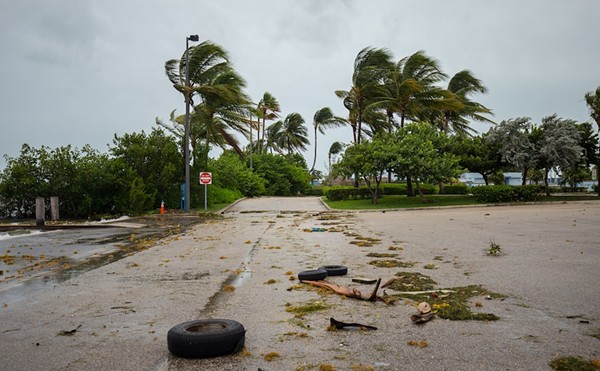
x,y
31,259
244,267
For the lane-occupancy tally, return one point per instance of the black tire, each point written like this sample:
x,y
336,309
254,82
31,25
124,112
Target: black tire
x,y
206,338
335,270
312,275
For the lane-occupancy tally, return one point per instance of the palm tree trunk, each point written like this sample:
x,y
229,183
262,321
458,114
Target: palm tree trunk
x,y
315,158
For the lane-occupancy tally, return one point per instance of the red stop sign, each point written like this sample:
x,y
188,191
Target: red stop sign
x,y
205,178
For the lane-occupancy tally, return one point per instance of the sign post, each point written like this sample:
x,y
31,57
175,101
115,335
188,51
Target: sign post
x,y
206,179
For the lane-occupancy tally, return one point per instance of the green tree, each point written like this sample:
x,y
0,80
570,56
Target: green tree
x,y
153,158
21,182
589,143
559,145
368,159
230,172
284,176
512,140
476,155
324,119
421,154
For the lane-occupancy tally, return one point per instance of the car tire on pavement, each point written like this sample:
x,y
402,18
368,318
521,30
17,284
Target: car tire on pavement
x,y
312,275
335,270
206,338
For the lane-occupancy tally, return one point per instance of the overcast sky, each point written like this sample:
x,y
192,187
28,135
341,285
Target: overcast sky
x,y
79,71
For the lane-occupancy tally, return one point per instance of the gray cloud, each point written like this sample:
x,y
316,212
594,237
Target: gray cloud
x,y
79,71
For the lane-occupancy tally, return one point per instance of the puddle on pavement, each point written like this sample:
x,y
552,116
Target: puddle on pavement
x,y
77,254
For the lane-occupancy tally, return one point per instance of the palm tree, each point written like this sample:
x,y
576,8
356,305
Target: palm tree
x,y
224,110
197,130
223,103
324,119
273,137
463,85
293,134
369,67
268,109
334,149
411,90
592,99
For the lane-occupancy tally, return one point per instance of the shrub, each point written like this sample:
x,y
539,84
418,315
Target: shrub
x,y
456,189
315,191
529,192
505,193
340,193
426,189
494,193
394,188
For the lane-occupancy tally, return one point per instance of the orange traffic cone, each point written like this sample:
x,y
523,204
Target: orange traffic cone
x,y
162,208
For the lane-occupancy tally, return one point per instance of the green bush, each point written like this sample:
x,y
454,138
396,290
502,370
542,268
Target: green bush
x,y
394,188
340,193
530,192
456,189
505,193
315,191
426,189
493,193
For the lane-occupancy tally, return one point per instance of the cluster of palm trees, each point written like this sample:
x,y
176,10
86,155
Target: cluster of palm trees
x,y
384,95
221,108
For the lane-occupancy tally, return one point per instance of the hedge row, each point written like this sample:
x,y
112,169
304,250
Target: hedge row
x,y
340,193
506,193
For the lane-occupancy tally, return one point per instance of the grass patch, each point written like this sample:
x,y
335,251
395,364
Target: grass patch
x,y
412,281
400,202
302,310
391,263
364,241
574,363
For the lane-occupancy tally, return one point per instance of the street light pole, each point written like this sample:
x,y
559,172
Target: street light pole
x,y
186,139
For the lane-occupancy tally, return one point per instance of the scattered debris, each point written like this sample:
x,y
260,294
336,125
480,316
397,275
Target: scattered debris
x,y
420,344
425,314
347,292
338,325
68,332
364,280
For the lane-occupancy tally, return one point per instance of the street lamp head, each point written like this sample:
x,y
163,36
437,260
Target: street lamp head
x,y
193,38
